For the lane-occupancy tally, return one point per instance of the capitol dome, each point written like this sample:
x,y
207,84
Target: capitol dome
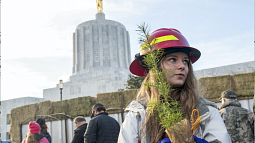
x,y
101,59
100,44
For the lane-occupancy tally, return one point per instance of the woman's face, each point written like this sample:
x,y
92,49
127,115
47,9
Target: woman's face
x,y
178,64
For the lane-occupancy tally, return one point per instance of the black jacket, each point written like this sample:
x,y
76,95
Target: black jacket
x,y
78,134
102,129
43,133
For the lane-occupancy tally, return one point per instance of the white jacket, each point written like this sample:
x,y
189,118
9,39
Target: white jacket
x,y
212,127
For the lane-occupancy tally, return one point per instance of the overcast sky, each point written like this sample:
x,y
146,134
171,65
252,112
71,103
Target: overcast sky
x,y
36,41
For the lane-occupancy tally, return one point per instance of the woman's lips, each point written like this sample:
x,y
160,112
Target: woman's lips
x,y
180,75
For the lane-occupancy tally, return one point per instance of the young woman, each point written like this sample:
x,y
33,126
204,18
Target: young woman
x,y
44,129
33,134
179,57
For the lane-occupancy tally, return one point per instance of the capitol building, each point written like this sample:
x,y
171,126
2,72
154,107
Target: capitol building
x,y
101,58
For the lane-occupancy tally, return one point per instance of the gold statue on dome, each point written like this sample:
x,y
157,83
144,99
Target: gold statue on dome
x,y
99,5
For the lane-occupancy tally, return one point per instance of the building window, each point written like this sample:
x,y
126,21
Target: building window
x,y
8,136
8,119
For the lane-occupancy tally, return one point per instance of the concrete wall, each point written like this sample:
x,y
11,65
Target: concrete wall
x,y
89,84
6,107
226,70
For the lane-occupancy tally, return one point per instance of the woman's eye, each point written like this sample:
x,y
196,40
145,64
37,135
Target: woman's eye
x,y
185,61
172,59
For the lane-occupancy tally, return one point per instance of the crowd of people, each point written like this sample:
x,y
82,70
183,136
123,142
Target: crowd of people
x,y
228,123
38,132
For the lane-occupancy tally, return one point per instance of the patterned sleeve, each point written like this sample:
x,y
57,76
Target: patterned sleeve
x,y
251,120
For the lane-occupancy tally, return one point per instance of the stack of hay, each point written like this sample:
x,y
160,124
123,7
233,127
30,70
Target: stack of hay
x,y
112,100
80,106
212,87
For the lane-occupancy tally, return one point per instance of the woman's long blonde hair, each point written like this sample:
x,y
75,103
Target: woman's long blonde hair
x,y
187,95
32,138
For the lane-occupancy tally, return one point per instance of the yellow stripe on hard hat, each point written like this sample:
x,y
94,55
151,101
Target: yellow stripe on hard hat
x,y
158,40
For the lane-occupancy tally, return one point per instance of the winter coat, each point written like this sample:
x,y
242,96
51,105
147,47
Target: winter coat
x,y
43,133
79,133
43,140
212,128
102,129
239,121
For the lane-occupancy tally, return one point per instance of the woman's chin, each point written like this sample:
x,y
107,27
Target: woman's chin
x,y
176,85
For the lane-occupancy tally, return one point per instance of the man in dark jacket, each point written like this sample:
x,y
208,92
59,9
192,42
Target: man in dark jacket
x,y
81,125
101,128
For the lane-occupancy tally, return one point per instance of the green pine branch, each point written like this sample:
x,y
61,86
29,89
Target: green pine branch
x,y
168,111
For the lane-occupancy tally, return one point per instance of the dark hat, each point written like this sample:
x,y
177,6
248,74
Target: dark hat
x,y
40,121
228,94
95,107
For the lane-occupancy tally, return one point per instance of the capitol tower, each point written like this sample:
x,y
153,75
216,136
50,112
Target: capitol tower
x,y
101,58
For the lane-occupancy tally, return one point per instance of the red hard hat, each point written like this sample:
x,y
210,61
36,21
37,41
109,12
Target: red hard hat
x,y
165,38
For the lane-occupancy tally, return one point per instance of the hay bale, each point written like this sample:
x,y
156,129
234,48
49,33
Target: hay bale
x,y
15,133
59,107
15,115
244,85
129,95
15,120
24,115
45,108
73,107
111,101
28,111
94,100
80,106
212,87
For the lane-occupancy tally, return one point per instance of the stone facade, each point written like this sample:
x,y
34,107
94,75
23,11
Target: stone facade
x,y
100,44
101,58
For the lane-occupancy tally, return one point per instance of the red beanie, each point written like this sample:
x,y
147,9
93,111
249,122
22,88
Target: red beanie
x,y
34,127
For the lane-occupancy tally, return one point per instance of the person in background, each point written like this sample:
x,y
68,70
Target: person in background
x,y
44,129
33,134
81,127
239,121
101,128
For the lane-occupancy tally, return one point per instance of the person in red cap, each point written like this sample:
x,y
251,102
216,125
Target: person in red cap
x,y
33,134
178,59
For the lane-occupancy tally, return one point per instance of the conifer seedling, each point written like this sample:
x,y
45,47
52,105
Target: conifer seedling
x,y
165,110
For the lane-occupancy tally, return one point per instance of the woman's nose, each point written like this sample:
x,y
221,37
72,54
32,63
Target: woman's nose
x,y
181,65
